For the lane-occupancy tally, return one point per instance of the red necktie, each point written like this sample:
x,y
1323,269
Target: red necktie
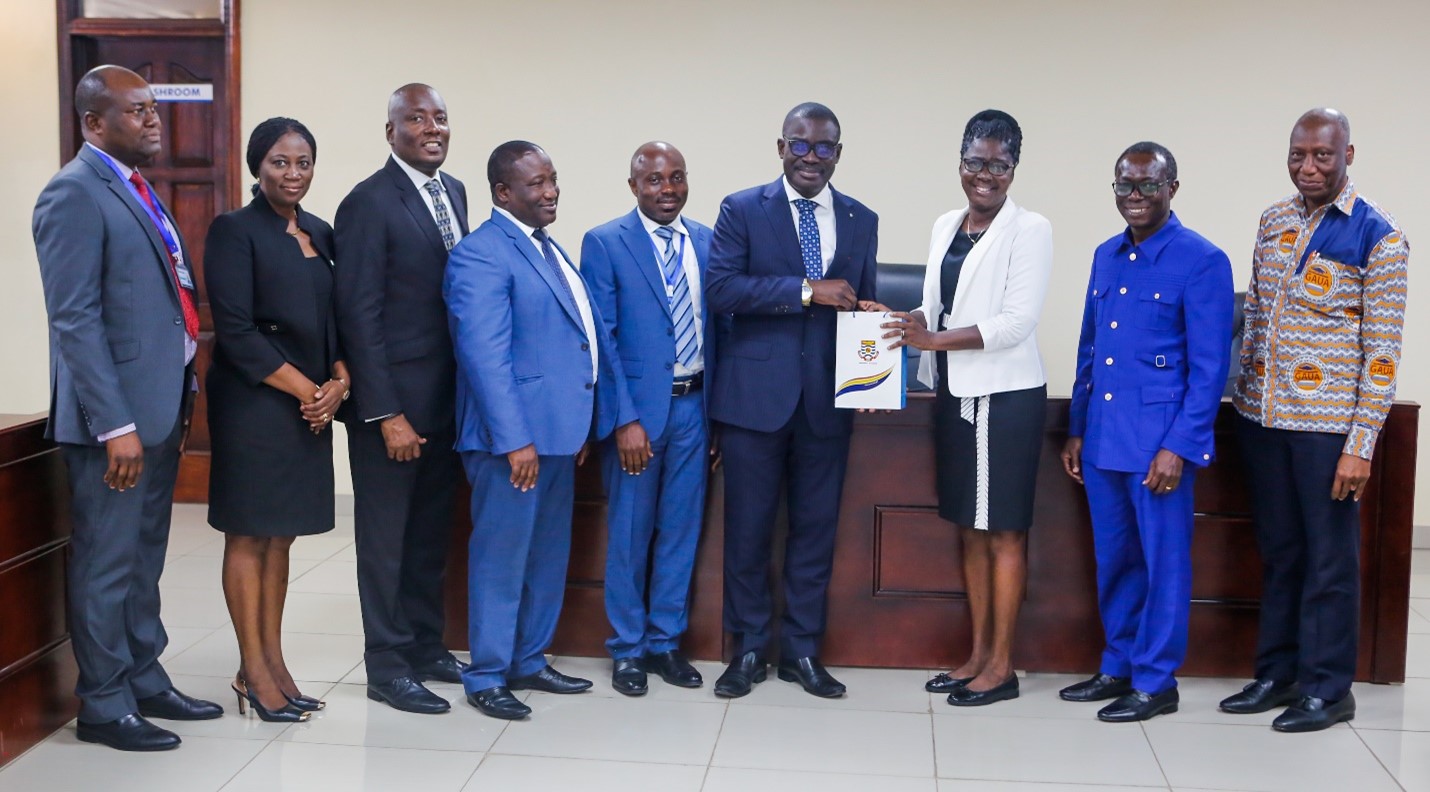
x,y
186,300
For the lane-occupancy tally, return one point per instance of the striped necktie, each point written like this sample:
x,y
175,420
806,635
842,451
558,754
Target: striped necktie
x,y
682,310
444,220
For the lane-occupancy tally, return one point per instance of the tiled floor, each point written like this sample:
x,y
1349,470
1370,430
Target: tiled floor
x,y
886,736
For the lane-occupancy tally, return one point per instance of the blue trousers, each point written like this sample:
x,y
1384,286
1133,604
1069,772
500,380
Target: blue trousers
x,y
757,465
1143,543
1310,559
516,566
653,524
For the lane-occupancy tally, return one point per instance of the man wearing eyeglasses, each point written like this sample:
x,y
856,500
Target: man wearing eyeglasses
x,y
1324,315
1151,367
785,258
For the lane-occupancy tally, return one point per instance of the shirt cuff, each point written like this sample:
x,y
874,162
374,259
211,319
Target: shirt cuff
x,y
380,418
1360,442
120,432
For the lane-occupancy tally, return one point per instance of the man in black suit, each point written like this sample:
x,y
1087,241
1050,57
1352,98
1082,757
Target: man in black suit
x,y
123,333
393,233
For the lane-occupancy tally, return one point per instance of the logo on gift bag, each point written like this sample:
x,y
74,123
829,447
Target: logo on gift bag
x,y
862,383
868,350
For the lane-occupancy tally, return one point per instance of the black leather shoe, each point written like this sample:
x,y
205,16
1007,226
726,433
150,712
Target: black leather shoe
x,y
943,683
743,673
498,702
1314,714
627,677
173,705
407,694
1261,695
1139,706
963,697
674,669
446,669
549,680
811,675
129,733
1100,687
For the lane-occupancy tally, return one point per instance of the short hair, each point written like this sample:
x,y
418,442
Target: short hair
x,y
400,95
814,111
267,134
1327,115
503,159
994,125
91,93
1155,149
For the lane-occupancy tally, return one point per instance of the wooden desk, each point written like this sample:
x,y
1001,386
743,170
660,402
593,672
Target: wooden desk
x,y
897,596
37,668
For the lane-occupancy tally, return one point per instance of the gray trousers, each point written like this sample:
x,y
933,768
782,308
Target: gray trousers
x,y
116,557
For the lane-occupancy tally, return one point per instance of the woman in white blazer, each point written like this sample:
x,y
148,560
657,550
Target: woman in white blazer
x,y
987,274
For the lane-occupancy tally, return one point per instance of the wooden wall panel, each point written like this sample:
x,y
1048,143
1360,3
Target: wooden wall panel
x,y
896,595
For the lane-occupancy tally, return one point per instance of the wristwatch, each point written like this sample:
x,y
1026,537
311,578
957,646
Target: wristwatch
x,y
806,292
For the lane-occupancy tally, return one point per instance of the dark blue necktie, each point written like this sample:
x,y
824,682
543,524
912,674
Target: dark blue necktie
x,y
549,253
809,239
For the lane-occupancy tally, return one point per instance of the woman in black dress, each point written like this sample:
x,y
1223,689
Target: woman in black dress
x,y
276,382
987,274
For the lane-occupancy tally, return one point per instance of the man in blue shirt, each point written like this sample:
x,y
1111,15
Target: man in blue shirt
x,y
1151,366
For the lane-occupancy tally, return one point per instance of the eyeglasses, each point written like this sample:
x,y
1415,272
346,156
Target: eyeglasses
x,y
977,165
801,148
1149,189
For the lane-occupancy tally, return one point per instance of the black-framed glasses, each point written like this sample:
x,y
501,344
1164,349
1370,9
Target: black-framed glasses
x,y
1149,189
801,148
978,164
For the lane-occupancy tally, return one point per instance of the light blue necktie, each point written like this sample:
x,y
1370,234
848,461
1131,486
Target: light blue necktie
x,y
444,220
682,310
809,239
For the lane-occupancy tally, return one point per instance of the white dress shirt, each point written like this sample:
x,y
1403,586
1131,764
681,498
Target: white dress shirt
x,y
823,219
419,180
686,256
573,279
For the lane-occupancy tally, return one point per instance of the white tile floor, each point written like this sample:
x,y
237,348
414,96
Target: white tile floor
x,y
887,735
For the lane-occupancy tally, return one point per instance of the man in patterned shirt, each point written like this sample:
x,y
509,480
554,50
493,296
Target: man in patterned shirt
x,y
1319,360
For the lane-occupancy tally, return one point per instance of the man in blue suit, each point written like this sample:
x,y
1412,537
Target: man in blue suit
x,y
534,369
645,270
785,258
1151,366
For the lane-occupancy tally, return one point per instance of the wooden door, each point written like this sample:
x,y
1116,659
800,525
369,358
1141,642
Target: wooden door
x,y
197,173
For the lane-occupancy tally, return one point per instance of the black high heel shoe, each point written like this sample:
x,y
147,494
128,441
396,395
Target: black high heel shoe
x,y
288,714
305,703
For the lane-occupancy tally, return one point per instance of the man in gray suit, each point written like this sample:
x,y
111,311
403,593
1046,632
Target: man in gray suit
x,y
123,333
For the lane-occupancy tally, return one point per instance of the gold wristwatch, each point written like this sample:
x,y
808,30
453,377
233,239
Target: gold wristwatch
x,y
806,293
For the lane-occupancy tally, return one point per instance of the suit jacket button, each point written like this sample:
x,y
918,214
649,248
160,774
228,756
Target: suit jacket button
x,y
585,347
668,366
178,320
589,386
670,331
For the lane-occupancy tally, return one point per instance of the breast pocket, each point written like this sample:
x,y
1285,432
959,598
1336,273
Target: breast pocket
x,y
1159,306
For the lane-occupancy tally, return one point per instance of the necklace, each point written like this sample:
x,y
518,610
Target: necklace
x,y
972,237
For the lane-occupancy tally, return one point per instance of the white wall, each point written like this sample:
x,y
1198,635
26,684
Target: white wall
x,y
1220,82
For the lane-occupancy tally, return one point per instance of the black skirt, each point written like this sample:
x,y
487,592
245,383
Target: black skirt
x,y
989,485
